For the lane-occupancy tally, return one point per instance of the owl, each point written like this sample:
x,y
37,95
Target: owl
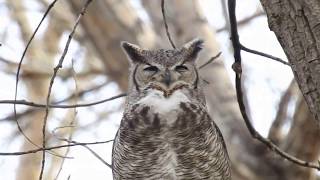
x,y
166,131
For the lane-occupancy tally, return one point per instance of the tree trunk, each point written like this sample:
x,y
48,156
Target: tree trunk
x,y
296,23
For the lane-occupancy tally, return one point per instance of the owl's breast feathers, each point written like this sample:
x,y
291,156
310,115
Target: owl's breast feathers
x,y
163,138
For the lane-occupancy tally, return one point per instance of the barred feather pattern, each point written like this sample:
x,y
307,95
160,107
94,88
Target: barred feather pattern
x,y
151,146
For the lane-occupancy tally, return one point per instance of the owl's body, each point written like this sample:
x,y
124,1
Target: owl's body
x,y
166,132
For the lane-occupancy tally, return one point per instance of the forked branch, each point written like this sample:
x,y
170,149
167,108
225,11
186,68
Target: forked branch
x,y
237,67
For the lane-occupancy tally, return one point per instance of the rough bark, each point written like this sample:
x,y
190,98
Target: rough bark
x,y
296,23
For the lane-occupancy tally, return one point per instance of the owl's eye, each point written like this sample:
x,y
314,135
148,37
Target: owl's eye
x,y
181,68
151,69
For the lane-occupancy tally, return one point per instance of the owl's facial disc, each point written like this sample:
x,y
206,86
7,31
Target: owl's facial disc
x,y
166,79
164,70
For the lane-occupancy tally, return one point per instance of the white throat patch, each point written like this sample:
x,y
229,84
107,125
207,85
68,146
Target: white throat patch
x,y
163,105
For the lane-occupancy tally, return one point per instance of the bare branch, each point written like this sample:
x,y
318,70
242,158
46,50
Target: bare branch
x,y
263,54
238,71
76,95
19,153
165,24
28,103
80,94
210,60
97,156
69,141
19,68
56,69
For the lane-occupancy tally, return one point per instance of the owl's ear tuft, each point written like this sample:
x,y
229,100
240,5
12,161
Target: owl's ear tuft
x,y
134,52
193,48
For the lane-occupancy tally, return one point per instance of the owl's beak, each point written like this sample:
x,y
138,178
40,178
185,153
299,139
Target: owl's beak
x,y
167,78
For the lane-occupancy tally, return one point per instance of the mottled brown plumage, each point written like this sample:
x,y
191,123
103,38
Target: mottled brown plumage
x,y
166,132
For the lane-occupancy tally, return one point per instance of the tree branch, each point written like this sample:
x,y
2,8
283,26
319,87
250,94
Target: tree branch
x,y
19,153
210,60
19,68
238,71
165,24
56,69
264,55
32,104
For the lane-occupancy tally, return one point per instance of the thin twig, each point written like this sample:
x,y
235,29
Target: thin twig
x,y
97,156
166,24
81,93
76,96
210,60
65,154
32,104
89,149
238,71
263,54
19,68
69,141
19,153
56,69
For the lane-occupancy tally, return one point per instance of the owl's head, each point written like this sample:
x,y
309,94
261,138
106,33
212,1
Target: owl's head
x,y
164,70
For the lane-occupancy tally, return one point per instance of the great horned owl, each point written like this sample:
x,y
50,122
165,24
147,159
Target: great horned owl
x,y
166,131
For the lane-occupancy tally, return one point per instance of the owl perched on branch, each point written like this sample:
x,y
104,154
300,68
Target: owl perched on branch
x,y
166,131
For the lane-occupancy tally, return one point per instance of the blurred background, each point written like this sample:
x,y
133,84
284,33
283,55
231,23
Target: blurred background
x,y
95,68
